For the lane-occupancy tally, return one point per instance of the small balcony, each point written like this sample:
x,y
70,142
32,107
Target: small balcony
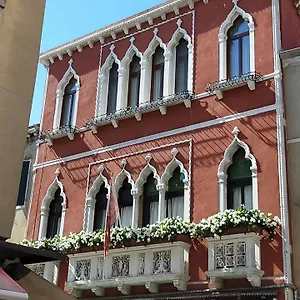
x,y
234,256
113,118
218,87
63,131
147,266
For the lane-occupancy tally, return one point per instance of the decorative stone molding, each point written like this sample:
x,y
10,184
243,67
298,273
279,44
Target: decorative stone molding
x,y
234,256
125,63
138,187
234,13
170,62
60,95
135,21
227,161
125,268
121,176
163,187
48,270
46,203
103,81
146,67
90,201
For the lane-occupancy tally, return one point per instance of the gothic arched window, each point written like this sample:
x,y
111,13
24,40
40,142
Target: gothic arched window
x,y
239,181
68,105
150,201
134,81
175,195
54,216
157,74
112,89
238,54
100,208
181,73
125,201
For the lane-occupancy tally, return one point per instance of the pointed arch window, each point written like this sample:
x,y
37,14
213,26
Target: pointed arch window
x,y
181,72
69,102
239,181
175,195
238,48
100,208
55,213
125,201
134,81
157,74
150,201
112,89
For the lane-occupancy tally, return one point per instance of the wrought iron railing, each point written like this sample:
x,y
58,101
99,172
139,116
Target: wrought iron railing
x,y
55,133
223,84
131,111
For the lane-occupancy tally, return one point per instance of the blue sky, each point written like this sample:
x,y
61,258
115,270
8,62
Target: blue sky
x,y
68,19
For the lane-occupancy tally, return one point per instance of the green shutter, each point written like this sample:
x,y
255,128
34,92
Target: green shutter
x,y
240,168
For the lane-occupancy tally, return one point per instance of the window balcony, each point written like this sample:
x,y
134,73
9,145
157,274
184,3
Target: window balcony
x,y
63,131
218,87
150,266
138,111
234,256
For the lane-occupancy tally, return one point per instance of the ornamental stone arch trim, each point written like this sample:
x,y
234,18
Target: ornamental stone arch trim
x,y
60,90
171,59
90,200
121,176
104,81
147,170
163,187
138,187
227,161
146,67
234,13
46,205
125,65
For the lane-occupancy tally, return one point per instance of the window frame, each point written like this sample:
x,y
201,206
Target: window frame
x,y
27,184
161,68
137,76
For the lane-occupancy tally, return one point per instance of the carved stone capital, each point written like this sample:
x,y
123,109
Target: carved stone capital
x,y
255,280
181,285
215,283
75,292
124,289
152,287
98,291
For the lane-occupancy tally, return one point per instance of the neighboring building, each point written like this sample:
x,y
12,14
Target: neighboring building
x,y
25,186
183,103
291,75
20,31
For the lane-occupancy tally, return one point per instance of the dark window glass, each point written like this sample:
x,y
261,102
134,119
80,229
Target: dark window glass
x,y
157,74
150,201
125,200
239,181
23,183
100,208
174,195
134,81
238,48
112,89
67,113
54,217
181,74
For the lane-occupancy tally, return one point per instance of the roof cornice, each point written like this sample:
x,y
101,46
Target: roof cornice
x,y
111,30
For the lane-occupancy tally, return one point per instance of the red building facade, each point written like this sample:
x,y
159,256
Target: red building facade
x,y
183,105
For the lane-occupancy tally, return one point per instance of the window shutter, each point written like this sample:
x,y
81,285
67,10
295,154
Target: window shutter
x,y
23,183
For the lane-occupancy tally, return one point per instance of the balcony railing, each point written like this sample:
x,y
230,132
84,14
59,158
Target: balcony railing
x,y
48,270
234,256
63,131
137,111
150,266
218,87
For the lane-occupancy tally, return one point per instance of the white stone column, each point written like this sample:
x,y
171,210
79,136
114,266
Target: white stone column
x,y
169,70
145,81
120,92
222,182
102,97
161,201
135,208
90,213
43,222
222,56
